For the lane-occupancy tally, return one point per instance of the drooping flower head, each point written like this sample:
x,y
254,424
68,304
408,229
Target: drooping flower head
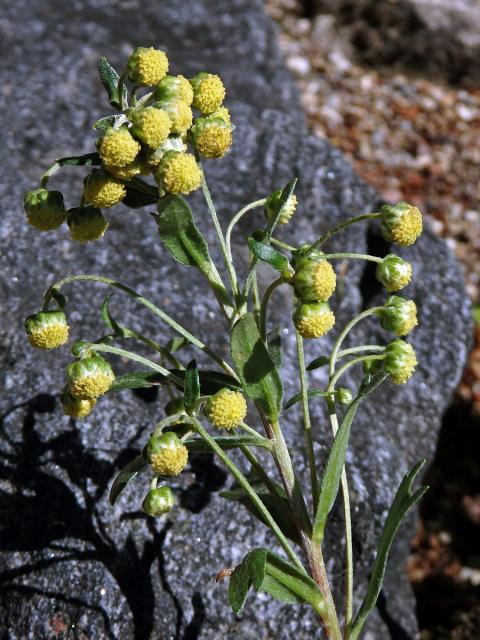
x,y
314,279
89,377
400,361
167,454
47,329
44,209
158,501
86,224
398,315
76,407
313,320
394,273
401,223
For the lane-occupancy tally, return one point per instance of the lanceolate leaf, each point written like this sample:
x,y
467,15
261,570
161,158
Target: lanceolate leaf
x,y
210,381
268,254
266,571
287,191
110,121
255,367
404,500
134,467
137,380
321,361
336,460
191,388
87,160
109,78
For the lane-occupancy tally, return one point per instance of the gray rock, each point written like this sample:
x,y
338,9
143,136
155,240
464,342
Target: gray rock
x,y
72,567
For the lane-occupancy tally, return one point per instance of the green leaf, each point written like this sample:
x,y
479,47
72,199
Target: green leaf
x,y
255,367
336,460
267,253
210,381
176,343
404,500
191,388
198,445
128,472
287,191
274,345
111,322
136,199
137,380
180,234
109,78
265,571
312,393
87,160
110,121
321,361
276,504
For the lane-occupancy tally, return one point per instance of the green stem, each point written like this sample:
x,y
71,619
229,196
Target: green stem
x,y
121,82
169,420
256,299
244,483
46,176
156,310
264,306
338,374
256,464
355,256
282,245
306,417
236,218
226,255
247,429
340,227
353,350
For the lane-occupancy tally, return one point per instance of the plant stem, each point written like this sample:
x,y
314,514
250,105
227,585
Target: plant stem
x,y
355,256
244,483
338,374
353,350
282,245
236,218
264,306
48,173
340,227
156,310
306,417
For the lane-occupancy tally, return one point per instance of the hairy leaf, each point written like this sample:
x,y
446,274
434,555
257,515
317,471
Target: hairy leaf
x,y
128,472
268,254
86,160
109,78
321,361
255,367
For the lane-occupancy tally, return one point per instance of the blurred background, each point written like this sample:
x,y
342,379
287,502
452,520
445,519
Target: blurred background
x,y
395,84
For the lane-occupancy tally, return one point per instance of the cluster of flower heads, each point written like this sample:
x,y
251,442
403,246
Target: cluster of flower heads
x,y
154,136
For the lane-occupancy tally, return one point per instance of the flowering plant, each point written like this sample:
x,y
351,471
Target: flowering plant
x,y
165,131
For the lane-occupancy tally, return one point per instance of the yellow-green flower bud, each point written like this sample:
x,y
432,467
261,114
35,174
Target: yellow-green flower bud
x,y
44,209
167,455
343,395
47,329
226,409
272,203
313,320
86,224
117,148
400,361
152,126
178,173
398,315
174,88
208,92
76,407
129,171
89,377
315,279
102,190
180,114
394,273
212,137
147,66
401,223
222,113
158,501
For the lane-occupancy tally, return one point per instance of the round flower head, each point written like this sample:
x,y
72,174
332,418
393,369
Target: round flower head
x,y
401,223
89,377
47,329
86,224
158,501
147,66
212,137
150,125
398,315
174,88
272,203
173,143
315,279
226,409
167,454
129,171
313,320
76,407
178,173
400,361
180,115
208,92
44,209
222,113
117,148
394,273
102,190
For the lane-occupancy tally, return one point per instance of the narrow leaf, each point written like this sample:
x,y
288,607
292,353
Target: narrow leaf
x,y
111,322
191,388
336,460
321,361
198,445
268,254
109,78
86,160
404,500
137,380
287,191
255,367
129,472
312,393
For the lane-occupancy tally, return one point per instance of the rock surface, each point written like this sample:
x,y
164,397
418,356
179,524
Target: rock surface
x,y
71,567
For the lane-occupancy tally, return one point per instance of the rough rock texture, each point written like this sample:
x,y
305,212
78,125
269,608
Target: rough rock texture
x,y
71,567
